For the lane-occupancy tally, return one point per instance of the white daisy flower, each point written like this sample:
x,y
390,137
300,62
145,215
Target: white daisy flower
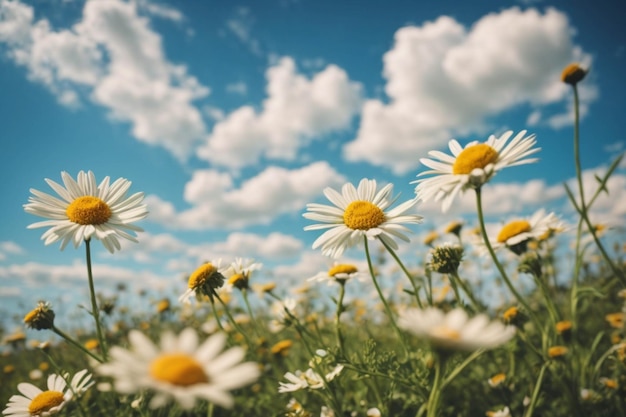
x,y
455,330
472,166
359,212
203,281
520,231
308,379
179,369
88,210
35,403
237,274
339,273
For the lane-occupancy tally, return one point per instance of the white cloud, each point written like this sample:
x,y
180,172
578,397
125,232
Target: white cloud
x,y
275,246
297,109
445,80
258,200
160,10
241,26
113,52
237,88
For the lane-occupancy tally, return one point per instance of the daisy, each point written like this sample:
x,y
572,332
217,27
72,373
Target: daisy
x,y
237,274
472,166
34,402
179,368
516,233
339,273
87,210
455,330
204,280
308,379
359,212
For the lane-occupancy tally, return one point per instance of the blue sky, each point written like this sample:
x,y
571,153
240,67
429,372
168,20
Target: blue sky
x,y
231,116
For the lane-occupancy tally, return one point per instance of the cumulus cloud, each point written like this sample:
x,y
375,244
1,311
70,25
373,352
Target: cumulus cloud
x,y
443,79
218,203
241,26
296,110
275,246
8,248
114,54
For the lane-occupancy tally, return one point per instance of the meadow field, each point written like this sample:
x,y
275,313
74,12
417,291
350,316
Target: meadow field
x,y
432,345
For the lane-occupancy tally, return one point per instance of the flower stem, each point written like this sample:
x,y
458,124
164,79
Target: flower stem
x,y
255,325
231,319
339,335
533,400
505,278
94,303
583,206
382,297
454,276
405,270
432,409
75,343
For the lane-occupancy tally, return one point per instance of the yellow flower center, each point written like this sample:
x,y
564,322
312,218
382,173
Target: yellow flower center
x,y
31,315
513,228
201,275
178,369
510,314
363,215
497,379
45,401
234,279
88,210
163,306
472,157
557,351
281,347
572,74
92,344
443,332
563,326
342,269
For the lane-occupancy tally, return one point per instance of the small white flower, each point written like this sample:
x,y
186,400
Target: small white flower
x,y
472,166
359,212
37,403
339,273
455,330
180,368
373,412
88,210
308,379
522,230
237,274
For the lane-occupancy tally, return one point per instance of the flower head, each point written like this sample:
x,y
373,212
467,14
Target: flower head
x,y
203,281
455,330
339,273
87,210
239,271
179,368
573,74
308,379
515,234
37,403
357,213
446,258
472,166
557,351
41,317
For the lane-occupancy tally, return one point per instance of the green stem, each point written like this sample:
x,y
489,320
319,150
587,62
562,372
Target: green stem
x,y
255,325
217,317
382,297
210,409
231,319
583,207
435,393
75,343
466,290
455,289
94,303
505,278
342,292
533,400
405,270
461,366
